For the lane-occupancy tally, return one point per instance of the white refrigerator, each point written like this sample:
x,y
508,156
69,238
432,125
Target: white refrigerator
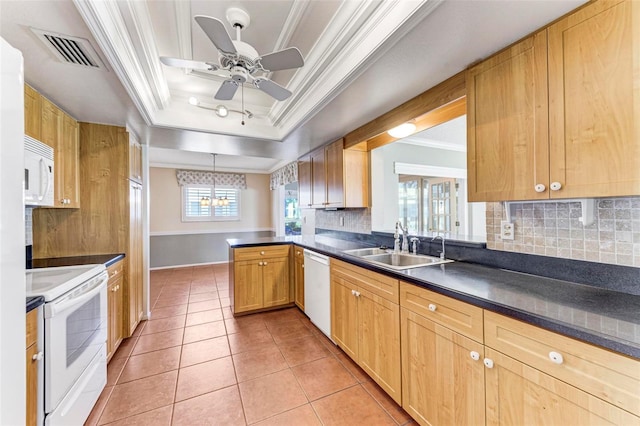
x,y
12,238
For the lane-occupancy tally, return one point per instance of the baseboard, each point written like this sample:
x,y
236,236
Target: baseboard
x,y
187,265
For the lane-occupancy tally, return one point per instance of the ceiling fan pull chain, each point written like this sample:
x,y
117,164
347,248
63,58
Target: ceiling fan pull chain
x,y
242,104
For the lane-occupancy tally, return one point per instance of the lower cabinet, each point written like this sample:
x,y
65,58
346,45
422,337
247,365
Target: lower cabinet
x,y
33,357
365,322
298,277
261,278
115,313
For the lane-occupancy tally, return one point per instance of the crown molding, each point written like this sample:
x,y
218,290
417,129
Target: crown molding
x,y
374,29
183,29
105,21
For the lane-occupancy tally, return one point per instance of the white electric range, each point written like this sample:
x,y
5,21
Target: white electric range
x,y
74,339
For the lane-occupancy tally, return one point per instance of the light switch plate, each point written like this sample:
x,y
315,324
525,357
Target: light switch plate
x,y
506,230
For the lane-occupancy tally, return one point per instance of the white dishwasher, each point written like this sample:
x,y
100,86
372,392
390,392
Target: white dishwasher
x,y
317,290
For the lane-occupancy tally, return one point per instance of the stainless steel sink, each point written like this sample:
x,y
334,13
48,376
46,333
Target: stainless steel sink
x,y
366,251
397,261
404,260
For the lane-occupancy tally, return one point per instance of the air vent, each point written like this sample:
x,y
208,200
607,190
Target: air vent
x,y
71,50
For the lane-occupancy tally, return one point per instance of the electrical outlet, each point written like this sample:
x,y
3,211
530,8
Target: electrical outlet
x,y
506,230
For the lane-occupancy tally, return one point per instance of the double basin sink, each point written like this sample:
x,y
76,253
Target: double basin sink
x,y
397,261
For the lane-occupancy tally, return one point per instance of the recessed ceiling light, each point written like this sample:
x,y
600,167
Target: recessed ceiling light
x,y
194,101
403,130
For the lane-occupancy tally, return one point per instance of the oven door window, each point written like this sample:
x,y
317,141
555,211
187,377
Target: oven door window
x,y
82,326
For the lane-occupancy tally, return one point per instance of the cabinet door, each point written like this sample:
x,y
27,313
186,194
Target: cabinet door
x,y
319,178
305,187
248,294
70,167
507,124
517,394
344,316
594,95
275,281
441,383
32,385
299,278
32,113
335,174
379,341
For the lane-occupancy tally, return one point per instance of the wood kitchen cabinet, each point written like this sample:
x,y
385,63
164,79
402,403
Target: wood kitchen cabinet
x,y
298,277
115,315
555,115
260,278
60,131
442,364
333,177
32,113
110,220
33,358
365,322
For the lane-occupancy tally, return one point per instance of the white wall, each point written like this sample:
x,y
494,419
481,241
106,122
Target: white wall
x,y
166,216
12,239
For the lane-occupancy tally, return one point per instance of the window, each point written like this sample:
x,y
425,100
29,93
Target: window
x,y
428,204
193,210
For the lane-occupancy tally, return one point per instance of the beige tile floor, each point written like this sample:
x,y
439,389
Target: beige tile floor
x,y
194,364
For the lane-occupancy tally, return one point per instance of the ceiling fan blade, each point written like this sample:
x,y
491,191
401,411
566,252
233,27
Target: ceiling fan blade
x,y
188,63
227,90
217,33
282,60
271,88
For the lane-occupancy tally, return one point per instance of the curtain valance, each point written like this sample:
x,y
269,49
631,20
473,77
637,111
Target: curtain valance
x,y
201,177
284,175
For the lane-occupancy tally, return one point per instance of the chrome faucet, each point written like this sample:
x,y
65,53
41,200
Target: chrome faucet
x,y
442,252
405,243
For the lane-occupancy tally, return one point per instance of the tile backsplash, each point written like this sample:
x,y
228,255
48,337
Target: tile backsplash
x,y
553,229
348,220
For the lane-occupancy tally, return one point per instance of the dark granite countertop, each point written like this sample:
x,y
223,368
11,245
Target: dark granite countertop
x,y
106,259
33,302
599,316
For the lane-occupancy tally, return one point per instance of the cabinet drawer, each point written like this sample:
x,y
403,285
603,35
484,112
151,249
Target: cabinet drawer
x,y
115,269
609,376
32,327
262,252
376,283
456,315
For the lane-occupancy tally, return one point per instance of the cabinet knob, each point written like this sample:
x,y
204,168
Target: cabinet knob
x,y
488,362
38,356
357,294
556,357
474,355
432,307
555,186
264,263
302,266
261,253
540,187
259,263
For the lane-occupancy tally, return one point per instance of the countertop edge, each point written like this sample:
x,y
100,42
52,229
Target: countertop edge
x,y
609,343
34,302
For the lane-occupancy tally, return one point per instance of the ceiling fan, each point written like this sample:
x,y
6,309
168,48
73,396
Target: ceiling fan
x,y
240,59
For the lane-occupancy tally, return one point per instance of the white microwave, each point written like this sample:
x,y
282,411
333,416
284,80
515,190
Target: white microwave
x,y
38,173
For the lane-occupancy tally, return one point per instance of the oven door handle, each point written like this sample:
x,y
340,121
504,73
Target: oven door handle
x,y
52,309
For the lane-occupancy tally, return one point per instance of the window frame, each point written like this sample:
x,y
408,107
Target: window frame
x,y
211,217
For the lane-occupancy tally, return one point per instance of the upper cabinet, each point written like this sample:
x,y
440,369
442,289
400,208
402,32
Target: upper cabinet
x,y
60,131
334,177
135,160
32,112
553,115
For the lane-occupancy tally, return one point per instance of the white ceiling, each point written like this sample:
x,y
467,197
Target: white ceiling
x,y
362,59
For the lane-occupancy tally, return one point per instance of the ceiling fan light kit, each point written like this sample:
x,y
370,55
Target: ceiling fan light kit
x,y
239,59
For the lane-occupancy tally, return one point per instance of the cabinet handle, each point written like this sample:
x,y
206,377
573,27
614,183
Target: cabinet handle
x,y
488,362
432,307
474,355
555,186
38,356
540,187
556,357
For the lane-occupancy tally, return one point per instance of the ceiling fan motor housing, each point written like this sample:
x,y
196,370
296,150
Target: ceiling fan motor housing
x,y
245,57
239,74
